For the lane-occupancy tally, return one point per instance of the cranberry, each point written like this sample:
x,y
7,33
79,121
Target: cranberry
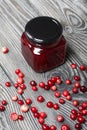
x,y
8,84
75,102
84,112
60,118
20,102
80,108
33,83
20,117
41,84
4,102
61,101
40,99
73,66
68,82
23,86
83,89
80,119
49,104
78,126
15,98
20,80
43,114
69,97
36,115
53,127
82,67
58,81
73,111
73,117
54,88
53,79
84,104
58,77
45,127
16,85
65,93
41,120
20,74
33,109
65,127
56,106
47,87
77,85
20,91
57,94
17,71
75,90
28,101
77,78
50,83
14,116
34,88
24,108
2,108
5,50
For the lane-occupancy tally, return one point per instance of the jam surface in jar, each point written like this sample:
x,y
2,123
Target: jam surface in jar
x,y
43,45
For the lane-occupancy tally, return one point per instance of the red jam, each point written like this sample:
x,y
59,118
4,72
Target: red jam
x,y
43,45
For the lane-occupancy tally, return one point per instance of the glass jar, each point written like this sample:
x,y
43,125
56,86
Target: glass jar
x,y
43,45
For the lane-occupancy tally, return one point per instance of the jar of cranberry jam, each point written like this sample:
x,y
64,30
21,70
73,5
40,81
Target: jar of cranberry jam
x,y
43,45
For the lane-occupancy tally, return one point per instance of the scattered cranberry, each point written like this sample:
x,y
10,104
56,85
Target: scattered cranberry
x,y
43,114
24,108
75,90
83,89
65,93
58,81
33,109
16,85
20,80
53,79
80,108
73,117
2,108
7,84
69,98
53,88
80,119
33,83
21,75
5,50
78,126
20,91
34,88
73,111
84,105
57,94
75,102
47,87
45,127
82,67
41,84
68,82
4,102
17,71
56,106
23,86
60,118
49,104
65,127
15,98
36,115
28,101
84,112
50,83
77,78
40,99
20,102
53,127
73,66
14,116
61,101
20,117
77,85
41,120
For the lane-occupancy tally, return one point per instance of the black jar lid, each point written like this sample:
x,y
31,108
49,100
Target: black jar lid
x,y
43,30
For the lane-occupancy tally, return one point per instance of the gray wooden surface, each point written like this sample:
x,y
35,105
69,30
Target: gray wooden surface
x,y
14,14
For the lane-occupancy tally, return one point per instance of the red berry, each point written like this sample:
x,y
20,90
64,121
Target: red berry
x,y
84,105
80,119
69,97
83,89
34,88
45,127
34,109
53,127
61,101
80,108
20,91
57,94
20,80
16,85
65,127
53,79
73,111
41,120
20,102
43,114
5,50
15,98
17,71
73,66
82,67
47,87
36,115
20,74
40,99
49,104
73,117
68,82
84,112
56,106
28,101
65,93
75,102
78,126
75,90
14,116
41,84
4,102
23,86
33,83
24,108
53,88
77,78
60,118
20,117
58,81
50,83
77,85
7,84
2,108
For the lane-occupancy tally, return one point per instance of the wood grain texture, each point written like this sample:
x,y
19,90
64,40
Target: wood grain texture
x,y
14,14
